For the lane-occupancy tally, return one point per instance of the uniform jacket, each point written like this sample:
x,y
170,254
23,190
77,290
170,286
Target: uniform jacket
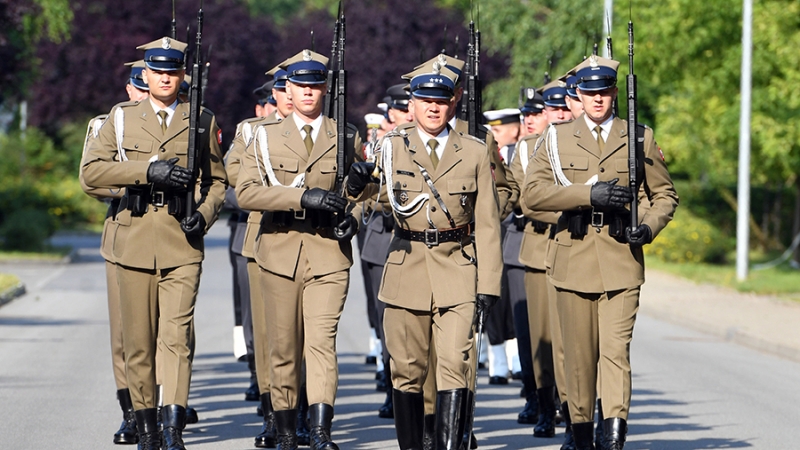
x,y
155,240
277,249
597,262
414,275
533,245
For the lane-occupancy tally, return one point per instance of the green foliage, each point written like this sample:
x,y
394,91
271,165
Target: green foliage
x,y
689,239
26,230
53,20
282,10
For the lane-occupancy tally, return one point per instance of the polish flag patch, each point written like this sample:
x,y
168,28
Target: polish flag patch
x,y
219,139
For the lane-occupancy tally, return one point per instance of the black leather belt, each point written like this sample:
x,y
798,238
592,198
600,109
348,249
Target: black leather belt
x,y
434,236
317,219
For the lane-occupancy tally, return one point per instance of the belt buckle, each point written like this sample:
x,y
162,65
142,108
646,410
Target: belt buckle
x,y
157,198
431,237
597,218
300,215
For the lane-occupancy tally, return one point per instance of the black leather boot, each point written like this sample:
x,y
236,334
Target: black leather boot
x,y
252,393
583,435
546,426
530,413
559,417
191,415
386,411
599,435
615,430
468,440
320,418
173,417
147,427
569,439
429,432
286,424
127,430
302,431
268,438
409,419
449,420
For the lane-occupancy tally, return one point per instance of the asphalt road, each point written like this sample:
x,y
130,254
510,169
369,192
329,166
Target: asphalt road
x,y
691,390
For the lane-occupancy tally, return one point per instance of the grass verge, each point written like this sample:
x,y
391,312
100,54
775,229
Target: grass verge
x,y
49,254
7,281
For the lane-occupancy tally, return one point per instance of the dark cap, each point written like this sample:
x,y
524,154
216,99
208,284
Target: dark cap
x,y
306,67
596,73
136,78
165,54
439,84
554,94
398,97
533,102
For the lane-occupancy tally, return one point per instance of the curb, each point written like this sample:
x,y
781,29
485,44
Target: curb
x,y
728,334
12,293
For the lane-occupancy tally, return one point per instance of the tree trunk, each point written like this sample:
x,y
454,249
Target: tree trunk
x,y
796,221
755,230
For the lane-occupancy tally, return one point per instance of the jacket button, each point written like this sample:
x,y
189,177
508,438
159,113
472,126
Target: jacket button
x,y
136,146
463,188
163,150
136,182
597,229
433,209
308,170
572,164
602,170
334,167
405,185
281,166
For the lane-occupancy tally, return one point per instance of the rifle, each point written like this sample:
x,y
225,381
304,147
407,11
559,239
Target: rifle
x,y
610,49
633,141
342,163
174,23
195,96
328,108
471,108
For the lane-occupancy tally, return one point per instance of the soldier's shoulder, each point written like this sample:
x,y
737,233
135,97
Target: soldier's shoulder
x,y
472,140
531,138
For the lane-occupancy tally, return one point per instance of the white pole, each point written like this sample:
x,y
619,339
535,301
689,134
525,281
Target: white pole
x,y
608,18
743,212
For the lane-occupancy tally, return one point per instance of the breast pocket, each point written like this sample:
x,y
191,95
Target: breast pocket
x,y
406,188
621,165
462,193
574,166
136,148
285,169
327,168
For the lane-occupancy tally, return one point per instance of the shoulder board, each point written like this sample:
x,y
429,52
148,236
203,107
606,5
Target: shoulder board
x,y
563,122
531,137
127,104
472,138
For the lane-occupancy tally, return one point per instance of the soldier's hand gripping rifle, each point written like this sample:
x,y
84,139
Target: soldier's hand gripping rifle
x,y
195,96
342,152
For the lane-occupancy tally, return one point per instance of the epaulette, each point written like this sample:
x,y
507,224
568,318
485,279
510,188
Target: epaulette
x,y
562,122
406,126
126,104
531,137
471,137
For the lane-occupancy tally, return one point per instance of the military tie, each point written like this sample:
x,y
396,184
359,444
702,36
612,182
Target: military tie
x,y
432,144
163,115
601,144
308,140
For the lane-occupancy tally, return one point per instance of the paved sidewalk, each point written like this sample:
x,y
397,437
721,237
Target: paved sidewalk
x,y
764,323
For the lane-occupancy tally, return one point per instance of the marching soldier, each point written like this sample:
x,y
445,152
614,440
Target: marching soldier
x,y
303,250
596,267
137,91
440,188
158,250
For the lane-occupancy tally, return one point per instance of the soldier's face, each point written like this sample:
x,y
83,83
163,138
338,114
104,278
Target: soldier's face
x,y
399,117
505,134
431,114
135,94
306,98
597,104
284,103
557,114
575,106
164,85
535,123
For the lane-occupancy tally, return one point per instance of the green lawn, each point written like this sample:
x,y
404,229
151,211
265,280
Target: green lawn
x,y
781,280
50,254
7,281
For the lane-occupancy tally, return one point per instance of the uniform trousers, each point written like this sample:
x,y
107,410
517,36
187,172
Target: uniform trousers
x,y
372,283
157,309
597,330
259,319
539,319
411,334
519,308
303,313
115,327
241,278
558,344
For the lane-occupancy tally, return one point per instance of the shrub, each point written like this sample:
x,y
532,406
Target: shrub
x,y
689,238
26,229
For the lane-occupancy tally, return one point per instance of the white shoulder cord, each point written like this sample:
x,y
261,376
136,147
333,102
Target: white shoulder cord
x,y
522,151
416,204
247,132
261,141
555,160
119,127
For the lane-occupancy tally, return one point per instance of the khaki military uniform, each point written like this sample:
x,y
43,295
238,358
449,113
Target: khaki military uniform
x,y
439,306
597,277
304,271
106,251
158,265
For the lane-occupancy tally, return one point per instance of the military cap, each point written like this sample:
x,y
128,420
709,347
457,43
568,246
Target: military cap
x,y
438,84
455,65
264,93
571,82
279,76
596,73
398,97
306,67
137,75
373,120
502,116
384,104
533,103
165,54
554,94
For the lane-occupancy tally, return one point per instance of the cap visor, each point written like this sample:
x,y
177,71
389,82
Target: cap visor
x,y
439,94
139,84
309,78
163,66
597,85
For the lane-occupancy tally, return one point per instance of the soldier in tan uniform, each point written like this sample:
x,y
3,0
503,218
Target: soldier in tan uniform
x,y
137,91
158,250
303,251
437,180
595,261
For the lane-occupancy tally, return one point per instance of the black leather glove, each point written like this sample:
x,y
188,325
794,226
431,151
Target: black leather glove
x,y
606,194
639,236
346,229
519,220
195,225
359,176
167,174
484,303
318,198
